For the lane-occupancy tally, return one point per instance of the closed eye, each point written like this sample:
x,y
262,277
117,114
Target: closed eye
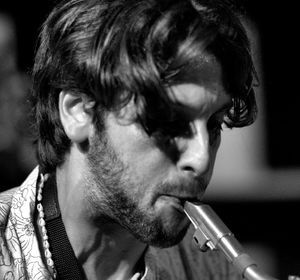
x,y
215,124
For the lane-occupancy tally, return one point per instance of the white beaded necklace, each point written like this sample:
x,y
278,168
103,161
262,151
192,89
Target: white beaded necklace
x,y
42,224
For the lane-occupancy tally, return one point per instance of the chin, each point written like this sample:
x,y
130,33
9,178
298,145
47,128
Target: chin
x,y
163,232
170,237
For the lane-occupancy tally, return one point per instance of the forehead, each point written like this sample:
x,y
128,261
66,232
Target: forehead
x,y
204,88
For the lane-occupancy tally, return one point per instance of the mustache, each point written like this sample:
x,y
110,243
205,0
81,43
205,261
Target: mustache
x,y
191,190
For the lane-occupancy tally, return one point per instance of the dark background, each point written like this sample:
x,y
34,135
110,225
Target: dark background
x,y
274,223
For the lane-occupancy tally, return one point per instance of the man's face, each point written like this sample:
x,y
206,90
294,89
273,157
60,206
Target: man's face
x,y
142,185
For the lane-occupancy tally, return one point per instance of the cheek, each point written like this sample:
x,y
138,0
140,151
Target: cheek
x,y
213,152
147,165
216,145
139,153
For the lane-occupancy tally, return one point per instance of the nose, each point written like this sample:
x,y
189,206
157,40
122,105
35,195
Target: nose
x,y
195,152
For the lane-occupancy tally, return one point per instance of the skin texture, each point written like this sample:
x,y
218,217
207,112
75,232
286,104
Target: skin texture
x,y
122,189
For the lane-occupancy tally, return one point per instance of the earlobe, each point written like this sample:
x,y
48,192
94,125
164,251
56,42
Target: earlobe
x,y
74,116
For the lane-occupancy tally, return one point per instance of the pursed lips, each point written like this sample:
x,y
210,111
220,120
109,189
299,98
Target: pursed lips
x,y
191,191
182,199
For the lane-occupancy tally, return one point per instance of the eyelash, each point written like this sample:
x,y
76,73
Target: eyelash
x,y
215,127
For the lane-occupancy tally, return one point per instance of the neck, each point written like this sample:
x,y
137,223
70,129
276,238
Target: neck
x,y
103,248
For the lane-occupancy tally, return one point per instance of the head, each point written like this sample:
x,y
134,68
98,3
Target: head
x,y
169,64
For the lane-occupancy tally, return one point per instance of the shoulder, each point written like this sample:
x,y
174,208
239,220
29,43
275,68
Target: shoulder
x,y
19,250
185,261
5,204
11,198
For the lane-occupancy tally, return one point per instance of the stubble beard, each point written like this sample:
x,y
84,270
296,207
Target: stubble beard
x,y
109,201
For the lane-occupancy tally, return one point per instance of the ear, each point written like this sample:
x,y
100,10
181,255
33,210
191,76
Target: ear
x,y
76,116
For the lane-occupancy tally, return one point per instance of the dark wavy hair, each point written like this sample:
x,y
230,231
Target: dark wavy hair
x,y
115,51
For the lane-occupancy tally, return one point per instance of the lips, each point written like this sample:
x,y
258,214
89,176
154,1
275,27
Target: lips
x,y
183,191
182,199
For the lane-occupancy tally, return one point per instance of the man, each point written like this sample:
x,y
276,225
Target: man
x,y
130,98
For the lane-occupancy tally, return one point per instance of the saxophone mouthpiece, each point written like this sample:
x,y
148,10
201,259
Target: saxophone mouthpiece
x,y
211,233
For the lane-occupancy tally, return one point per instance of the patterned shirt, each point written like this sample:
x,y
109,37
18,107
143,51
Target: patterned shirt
x,y
22,259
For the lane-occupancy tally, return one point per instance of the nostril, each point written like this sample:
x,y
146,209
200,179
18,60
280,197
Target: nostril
x,y
195,166
188,168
